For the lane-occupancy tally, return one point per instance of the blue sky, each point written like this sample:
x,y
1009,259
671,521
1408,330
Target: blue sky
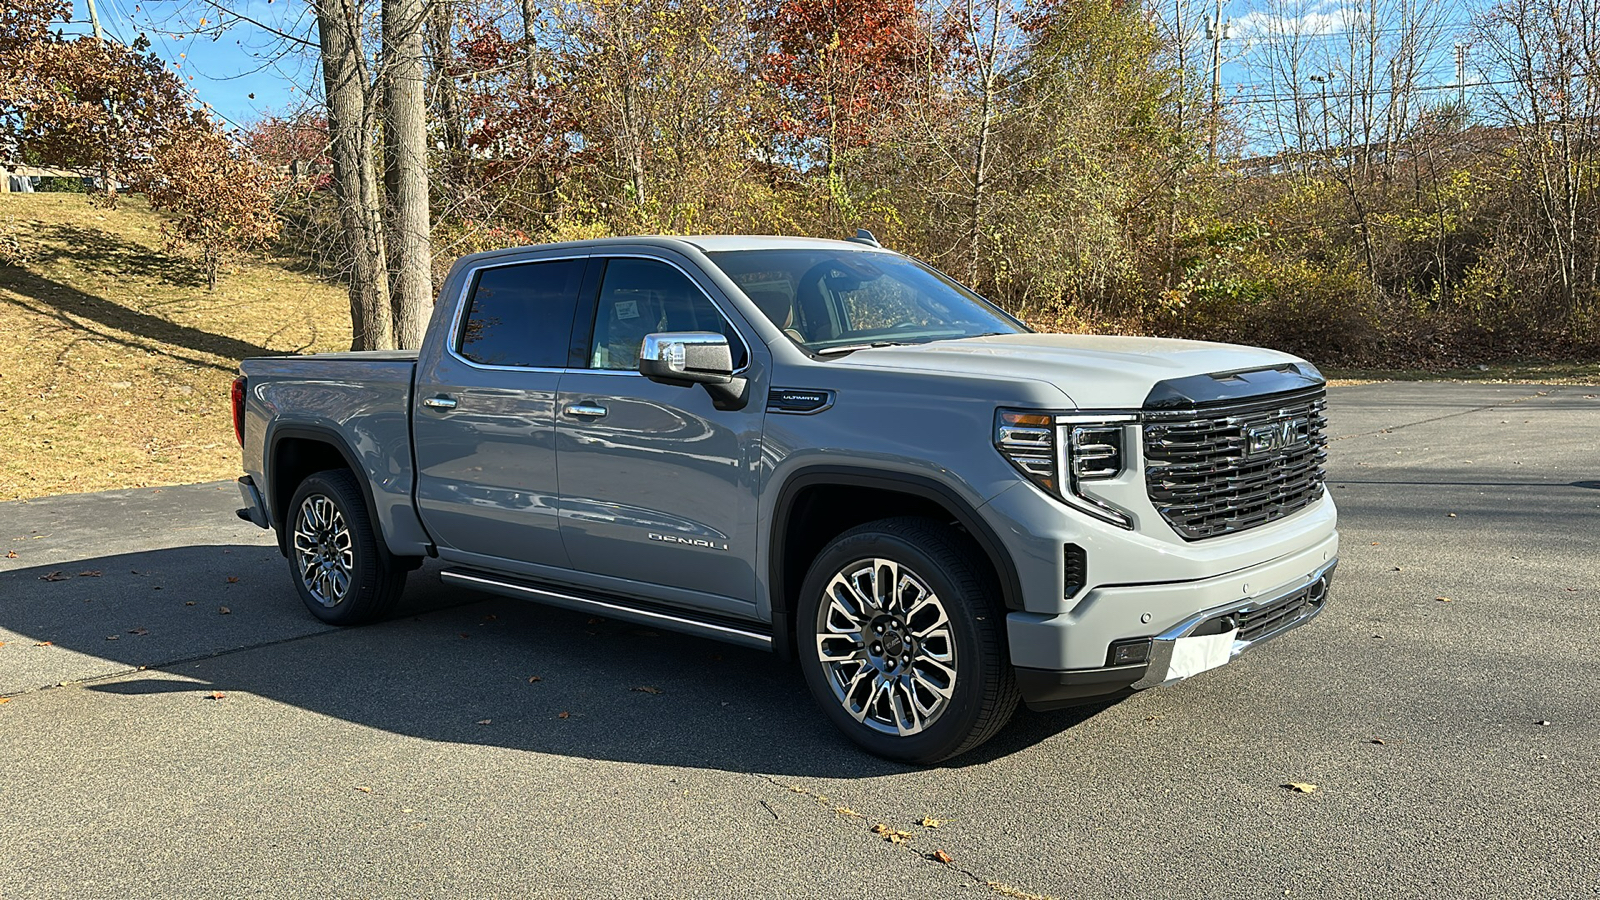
x,y
243,71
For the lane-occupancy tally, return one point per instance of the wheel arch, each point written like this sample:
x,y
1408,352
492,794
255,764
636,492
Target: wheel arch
x,y
794,542
297,451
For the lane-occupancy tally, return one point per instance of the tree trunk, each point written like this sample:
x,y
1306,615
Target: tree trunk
x,y
355,180
406,171
984,149
446,97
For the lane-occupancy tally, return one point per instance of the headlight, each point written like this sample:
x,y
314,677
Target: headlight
x,y
1093,451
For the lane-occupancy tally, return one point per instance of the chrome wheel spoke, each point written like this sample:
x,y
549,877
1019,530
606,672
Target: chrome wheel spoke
x,y
884,639
324,550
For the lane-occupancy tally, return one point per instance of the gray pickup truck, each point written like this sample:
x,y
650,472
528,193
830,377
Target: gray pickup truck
x,y
820,448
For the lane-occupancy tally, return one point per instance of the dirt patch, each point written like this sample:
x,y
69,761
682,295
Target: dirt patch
x,y
115,360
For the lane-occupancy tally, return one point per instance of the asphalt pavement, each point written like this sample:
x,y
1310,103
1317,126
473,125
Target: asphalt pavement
x,y
176,725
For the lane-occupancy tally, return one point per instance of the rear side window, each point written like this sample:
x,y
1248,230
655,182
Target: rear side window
x,y
522,315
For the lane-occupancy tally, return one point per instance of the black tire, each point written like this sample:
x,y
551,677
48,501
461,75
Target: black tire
x,y
373,580
982,694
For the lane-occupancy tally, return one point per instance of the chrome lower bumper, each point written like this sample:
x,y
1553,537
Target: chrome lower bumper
x,y
1313,593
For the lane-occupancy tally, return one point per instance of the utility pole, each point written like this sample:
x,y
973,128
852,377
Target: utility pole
x,y
1461,79
1217,32
94,19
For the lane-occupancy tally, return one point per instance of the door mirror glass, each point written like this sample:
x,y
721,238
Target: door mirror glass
x,y
686,357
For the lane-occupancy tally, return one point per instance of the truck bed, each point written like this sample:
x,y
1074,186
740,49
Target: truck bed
x,y
361,398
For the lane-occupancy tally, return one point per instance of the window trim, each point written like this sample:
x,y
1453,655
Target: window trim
x,y
452,346
749,353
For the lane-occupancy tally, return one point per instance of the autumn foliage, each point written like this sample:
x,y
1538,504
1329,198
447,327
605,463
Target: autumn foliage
x,y
118,113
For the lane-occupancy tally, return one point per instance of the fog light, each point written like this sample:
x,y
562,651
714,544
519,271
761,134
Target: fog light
x,y
1129,653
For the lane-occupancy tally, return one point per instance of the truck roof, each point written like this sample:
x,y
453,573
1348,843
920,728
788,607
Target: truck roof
x,y
706,243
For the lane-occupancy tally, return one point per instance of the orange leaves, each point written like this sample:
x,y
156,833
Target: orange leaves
x,y
214,695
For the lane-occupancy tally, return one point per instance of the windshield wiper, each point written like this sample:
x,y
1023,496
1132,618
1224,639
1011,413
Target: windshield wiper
x,y
851,348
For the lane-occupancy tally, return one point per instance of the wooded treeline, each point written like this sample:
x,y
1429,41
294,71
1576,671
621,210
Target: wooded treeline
x,y
1072,159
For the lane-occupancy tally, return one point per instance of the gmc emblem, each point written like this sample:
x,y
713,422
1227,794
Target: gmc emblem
x,y
1278,436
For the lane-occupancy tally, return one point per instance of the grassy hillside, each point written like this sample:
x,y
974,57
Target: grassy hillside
x,y
115,359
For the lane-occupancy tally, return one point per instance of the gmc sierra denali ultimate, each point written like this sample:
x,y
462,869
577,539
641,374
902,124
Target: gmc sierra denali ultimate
x,y
821,448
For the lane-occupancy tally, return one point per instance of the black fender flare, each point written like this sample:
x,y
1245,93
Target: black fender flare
x,y
783,640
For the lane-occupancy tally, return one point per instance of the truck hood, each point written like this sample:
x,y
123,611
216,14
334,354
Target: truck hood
x,y
1094,371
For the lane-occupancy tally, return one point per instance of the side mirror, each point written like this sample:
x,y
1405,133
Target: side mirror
x,y
686,357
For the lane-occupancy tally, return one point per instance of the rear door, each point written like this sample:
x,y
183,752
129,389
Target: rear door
x,y
484,416
658,487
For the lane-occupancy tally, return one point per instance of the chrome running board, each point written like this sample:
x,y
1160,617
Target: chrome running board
x,y
609,607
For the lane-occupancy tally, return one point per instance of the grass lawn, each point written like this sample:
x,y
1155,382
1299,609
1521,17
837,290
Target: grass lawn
x,y
115,360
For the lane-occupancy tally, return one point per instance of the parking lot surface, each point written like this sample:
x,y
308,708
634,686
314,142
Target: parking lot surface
x,y
176,725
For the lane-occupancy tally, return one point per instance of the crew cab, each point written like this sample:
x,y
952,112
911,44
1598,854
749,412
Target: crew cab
x,y
821,448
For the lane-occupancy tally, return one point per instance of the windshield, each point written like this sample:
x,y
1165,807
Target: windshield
x,y
834,301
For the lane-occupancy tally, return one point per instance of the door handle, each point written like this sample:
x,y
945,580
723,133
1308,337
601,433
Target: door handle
x,y
440,402
586,410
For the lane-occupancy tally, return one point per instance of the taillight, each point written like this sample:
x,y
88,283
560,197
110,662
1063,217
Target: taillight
x,y
238,409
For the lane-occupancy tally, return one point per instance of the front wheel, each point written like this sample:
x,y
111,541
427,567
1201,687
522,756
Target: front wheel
x,y
342,571
900,641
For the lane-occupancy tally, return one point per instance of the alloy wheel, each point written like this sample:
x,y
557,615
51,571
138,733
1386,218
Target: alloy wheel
x,y
324,550
886,646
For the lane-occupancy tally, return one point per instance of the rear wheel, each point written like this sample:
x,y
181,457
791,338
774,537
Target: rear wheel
x,y
904,650
344,574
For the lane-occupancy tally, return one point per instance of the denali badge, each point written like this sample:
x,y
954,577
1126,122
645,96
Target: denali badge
x,y
1285,435
692,542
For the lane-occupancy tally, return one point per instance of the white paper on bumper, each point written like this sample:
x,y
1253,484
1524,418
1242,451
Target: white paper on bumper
x,y
1193,655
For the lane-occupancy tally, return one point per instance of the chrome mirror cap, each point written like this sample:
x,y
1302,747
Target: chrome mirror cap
x,y
686,357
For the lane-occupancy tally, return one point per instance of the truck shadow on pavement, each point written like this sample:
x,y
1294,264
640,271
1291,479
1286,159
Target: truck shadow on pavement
x,y
450,666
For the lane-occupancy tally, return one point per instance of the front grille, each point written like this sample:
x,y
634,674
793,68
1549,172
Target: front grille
x,y
1262,621
1225,469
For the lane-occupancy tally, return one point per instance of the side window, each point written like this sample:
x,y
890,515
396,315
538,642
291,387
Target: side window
x,y
521,315
644,296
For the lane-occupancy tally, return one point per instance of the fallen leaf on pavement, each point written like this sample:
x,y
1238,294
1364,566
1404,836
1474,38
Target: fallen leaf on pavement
x,y
647,689
846,811
11,554
44,643
932,823
1544,721
1444,599
563,715
1450,515
53,576
188,603
534,678
1300,787
224,611
485,721
5,699
891,835
138,631
215,695
90,573
941,856
233,579
1378,741
113,637
364,789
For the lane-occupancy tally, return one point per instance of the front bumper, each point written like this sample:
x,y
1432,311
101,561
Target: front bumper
x,y
1218,631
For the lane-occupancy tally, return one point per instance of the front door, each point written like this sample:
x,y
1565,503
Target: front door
x,y
658,487
483,417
